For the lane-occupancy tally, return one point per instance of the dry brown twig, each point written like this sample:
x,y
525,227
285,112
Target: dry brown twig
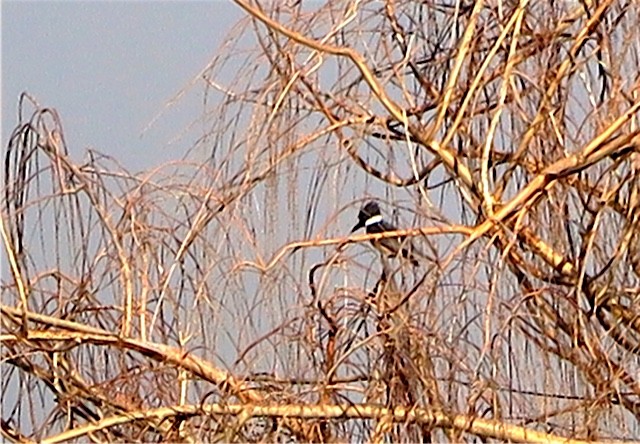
x,y
182,304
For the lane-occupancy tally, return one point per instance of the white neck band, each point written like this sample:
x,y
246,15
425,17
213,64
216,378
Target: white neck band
x,y
373,220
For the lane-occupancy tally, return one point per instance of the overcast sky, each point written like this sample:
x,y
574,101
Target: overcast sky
x,y
109,68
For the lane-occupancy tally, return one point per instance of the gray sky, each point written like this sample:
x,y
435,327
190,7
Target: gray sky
x,y
109,68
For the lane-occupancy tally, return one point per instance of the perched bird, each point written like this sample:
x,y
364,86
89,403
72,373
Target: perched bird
x,y
371,219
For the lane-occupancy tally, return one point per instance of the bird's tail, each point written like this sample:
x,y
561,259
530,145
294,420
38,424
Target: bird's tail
x,y
410,256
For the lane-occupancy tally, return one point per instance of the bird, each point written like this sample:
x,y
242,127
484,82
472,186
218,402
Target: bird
x,y
370,218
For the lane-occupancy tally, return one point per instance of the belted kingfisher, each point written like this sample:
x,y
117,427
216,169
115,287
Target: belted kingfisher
x,y
370,218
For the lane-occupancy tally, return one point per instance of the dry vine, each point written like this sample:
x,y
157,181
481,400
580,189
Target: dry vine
x,y
220,298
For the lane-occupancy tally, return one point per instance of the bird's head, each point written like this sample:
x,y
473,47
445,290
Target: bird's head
x,y
367,212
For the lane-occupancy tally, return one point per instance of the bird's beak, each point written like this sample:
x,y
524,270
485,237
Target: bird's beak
x,y
357,226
